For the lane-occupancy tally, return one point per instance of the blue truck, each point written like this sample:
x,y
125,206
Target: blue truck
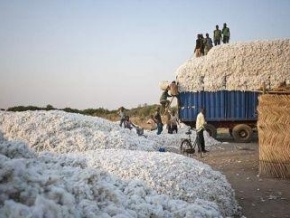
x,y
234,110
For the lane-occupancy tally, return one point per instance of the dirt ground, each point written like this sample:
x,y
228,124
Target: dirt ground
x,y
239,162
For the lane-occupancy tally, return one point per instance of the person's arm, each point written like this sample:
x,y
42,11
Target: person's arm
x,y
177,121
167,94
133,125
203,121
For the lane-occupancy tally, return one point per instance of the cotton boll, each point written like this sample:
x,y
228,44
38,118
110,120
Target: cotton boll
x,y
19,183
14,209
115,211
88,208
47,208
60,196
55,162
15,150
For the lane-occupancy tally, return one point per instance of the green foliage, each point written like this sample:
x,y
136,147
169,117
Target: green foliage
x,y
49,107
30,108
71,110
142,112
95,112
24,108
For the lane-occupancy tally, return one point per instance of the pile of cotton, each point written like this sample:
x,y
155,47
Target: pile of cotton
x,y
62,132
238,66
109,183
125,178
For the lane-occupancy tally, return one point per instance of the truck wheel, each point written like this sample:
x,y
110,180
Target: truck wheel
x,y
242,133
211,130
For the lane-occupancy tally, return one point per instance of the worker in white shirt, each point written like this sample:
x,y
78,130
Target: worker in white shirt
x,y
200,124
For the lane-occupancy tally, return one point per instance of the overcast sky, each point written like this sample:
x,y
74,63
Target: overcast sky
x,y
112,53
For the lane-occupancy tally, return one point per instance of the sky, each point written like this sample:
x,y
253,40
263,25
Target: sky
x,y
112,53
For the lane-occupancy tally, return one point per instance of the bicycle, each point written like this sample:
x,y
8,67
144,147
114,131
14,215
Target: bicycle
x,y
188,147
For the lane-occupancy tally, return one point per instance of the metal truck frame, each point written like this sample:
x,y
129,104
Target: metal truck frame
x,y
234,110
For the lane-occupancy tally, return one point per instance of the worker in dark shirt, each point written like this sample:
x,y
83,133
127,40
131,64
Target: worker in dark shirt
x,y
199,48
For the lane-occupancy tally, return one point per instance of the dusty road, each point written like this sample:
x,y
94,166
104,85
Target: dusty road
x,y
259,197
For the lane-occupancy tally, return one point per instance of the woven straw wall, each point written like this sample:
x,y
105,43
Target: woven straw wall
x,y
274,135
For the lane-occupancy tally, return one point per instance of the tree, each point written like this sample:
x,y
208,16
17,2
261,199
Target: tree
x,y
49,107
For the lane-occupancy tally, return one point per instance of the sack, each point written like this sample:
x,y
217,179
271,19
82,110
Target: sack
x,y
163,85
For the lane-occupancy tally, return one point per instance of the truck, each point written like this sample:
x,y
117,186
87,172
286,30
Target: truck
x,y
231,109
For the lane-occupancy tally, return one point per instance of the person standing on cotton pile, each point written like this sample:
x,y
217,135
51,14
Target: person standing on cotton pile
x,y
217,35
174,122
226,34
208,44
198,50
200,124
158,121
122,115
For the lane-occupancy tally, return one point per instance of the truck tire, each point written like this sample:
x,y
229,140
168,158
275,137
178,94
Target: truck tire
x,y
242,133
211,130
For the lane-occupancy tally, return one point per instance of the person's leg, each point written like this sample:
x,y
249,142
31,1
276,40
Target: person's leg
x,y
202,145
163,106
159,128
200,141
122,121
224,39
176,129
198,53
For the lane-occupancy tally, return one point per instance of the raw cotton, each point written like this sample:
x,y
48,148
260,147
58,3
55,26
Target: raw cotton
x,y
238,66
63,132
56,186
126,178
